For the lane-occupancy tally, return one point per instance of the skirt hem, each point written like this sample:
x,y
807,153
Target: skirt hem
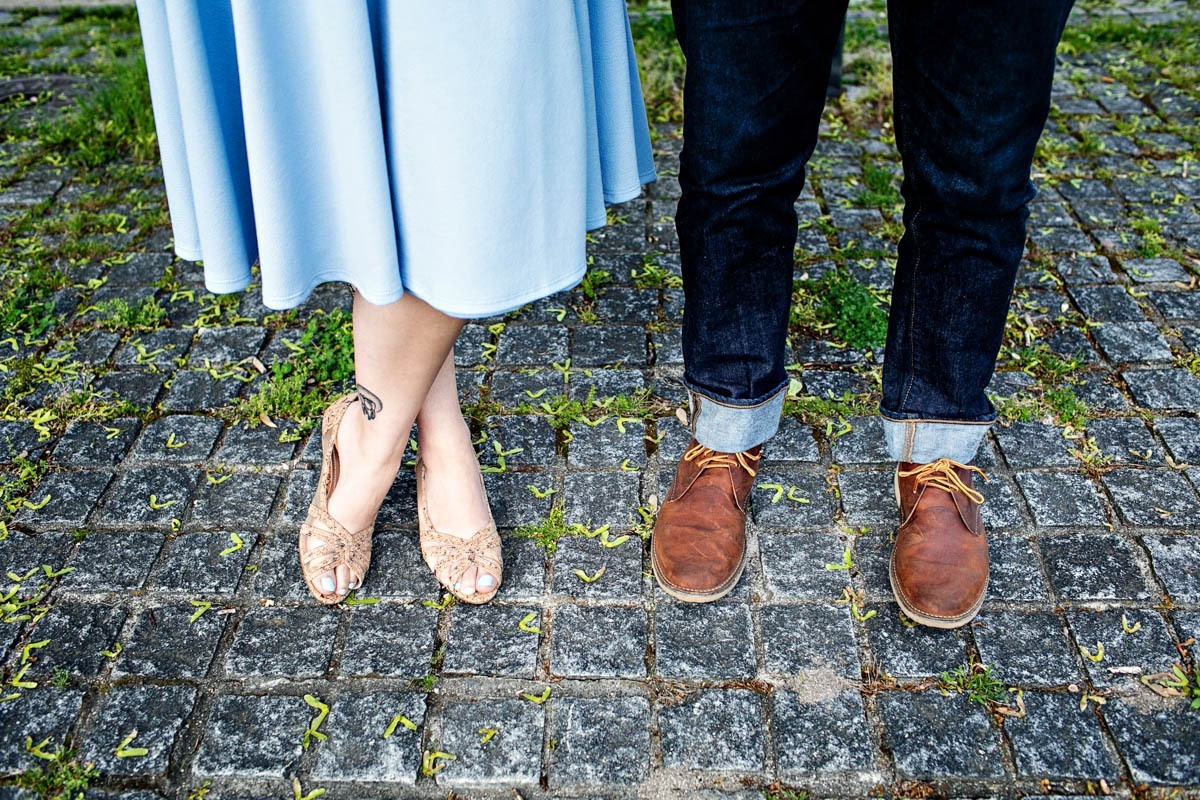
x,y
188,253
622,196
478,311
507,304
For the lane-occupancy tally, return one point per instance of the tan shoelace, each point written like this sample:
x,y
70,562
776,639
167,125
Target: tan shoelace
x,y
707,458
941,475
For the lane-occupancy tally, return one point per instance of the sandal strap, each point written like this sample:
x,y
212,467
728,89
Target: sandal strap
x,y
454,555
479,549
336,545
331,422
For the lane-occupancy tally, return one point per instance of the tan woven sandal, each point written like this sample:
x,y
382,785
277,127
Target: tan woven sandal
x,y
335,546
454,555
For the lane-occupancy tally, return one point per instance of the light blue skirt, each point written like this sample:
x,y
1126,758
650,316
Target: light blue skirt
x,y
457,150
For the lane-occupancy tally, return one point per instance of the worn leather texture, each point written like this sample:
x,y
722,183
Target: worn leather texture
x,y
699,541
940,559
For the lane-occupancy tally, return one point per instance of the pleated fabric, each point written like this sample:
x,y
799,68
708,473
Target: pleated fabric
x,y
457,150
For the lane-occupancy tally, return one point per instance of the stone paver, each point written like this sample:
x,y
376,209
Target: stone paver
x,y
1132,640
599,642
1026,649
148,511
1057,739
511,756
252,737
961,744
357,748
600,741
156,713
718,730
821,735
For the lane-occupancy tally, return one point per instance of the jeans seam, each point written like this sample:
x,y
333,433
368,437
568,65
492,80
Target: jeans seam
x,y
910,435
912,309
935,421
746,377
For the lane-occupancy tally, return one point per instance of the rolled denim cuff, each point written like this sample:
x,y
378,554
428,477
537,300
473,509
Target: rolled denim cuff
x,y
922,441
732,429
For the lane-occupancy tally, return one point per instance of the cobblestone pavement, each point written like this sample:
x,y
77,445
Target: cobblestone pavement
x,y
155,621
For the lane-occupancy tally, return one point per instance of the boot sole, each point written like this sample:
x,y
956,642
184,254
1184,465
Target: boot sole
x,y
945,623
699,597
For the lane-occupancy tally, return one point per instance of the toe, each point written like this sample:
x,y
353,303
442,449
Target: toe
x,y
466,582
485,582
326,582
343,580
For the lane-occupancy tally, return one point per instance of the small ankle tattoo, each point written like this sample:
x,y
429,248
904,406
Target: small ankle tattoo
x,y
369,402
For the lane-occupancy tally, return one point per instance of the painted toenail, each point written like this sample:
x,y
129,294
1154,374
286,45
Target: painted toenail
x,y
327,584
342,591
353,585
486,580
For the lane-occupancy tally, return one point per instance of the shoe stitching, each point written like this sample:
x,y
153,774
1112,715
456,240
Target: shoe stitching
x,y
737,573
902,596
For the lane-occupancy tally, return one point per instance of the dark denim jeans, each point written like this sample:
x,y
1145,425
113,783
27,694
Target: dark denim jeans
x,y
972,92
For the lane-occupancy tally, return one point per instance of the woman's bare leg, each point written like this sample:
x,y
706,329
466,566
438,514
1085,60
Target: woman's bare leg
x,y
399,350
454,493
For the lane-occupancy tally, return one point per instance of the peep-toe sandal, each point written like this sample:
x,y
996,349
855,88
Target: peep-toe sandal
x,y
449,556
332,544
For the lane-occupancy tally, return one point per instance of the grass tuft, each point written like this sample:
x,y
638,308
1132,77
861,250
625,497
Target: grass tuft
x,y
661,64
118,315
112,122
59,777
1053,394
778,791
546,533
820,410
879,188
18,476
299,388
977,681
838,305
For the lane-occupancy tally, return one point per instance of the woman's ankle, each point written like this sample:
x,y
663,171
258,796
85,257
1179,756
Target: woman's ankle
x,y
372,443
445,444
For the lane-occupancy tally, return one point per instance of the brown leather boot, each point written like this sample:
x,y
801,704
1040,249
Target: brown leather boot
x,y
698,549
939,567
